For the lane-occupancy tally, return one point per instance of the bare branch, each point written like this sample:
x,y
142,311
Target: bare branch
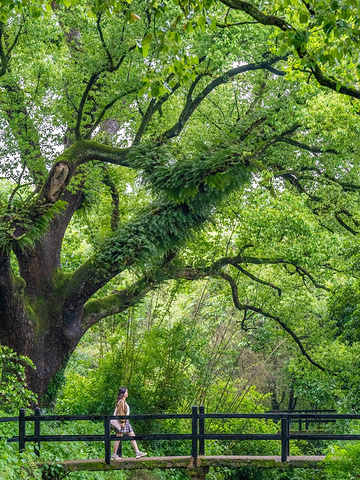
x,y
309,7
257,279
241,307
12,46
272,141
192,274
319,177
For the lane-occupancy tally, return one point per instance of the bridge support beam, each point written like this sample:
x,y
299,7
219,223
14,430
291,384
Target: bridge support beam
x,y
198,473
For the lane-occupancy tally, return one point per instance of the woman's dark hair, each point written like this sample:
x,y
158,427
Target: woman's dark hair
x,y
121,393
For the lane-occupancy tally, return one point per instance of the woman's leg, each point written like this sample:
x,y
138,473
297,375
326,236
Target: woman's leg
x,y
133,442
116,444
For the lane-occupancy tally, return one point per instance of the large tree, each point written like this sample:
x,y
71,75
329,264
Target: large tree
x,y
126,100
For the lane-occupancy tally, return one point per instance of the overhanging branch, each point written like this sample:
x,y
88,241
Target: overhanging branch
x,y
242,307
192,273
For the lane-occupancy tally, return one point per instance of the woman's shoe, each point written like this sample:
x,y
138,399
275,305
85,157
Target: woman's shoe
x,y
115,456
140,454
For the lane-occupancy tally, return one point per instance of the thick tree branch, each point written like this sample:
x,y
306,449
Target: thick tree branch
x,y
151,236
18,225
117,302
192,104
255,13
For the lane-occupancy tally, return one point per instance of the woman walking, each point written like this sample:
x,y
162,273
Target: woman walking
x,y
123,426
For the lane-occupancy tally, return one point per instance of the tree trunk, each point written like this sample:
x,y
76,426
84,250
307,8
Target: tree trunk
x,y
42,329
35,319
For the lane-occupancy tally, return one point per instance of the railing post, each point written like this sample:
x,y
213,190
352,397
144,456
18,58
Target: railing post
x,y
22,430
37,431
201,430
194,435
119,449
107,440
284,439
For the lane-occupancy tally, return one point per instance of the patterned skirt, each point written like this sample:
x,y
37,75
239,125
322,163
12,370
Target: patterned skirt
x,y
127,428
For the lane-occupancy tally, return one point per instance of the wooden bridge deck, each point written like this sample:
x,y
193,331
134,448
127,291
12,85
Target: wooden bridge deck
x,y
151,463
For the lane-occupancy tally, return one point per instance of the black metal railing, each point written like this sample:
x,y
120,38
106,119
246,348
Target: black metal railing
x,y
306,423
197,434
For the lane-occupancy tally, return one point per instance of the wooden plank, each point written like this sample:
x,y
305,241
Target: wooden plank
x,y
151,463
148,463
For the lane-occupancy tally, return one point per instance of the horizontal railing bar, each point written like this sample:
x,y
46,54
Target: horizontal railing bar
x,y
303,411
266,416
269,416
240,436
290,416
9,419
323,436
338,416
157,436
64,418
65,438
100,438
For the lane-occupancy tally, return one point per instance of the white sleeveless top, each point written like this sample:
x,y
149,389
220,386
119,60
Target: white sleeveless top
x,y
116,423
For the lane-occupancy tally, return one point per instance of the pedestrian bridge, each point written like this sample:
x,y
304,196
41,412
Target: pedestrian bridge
x,y
196,468
290,426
